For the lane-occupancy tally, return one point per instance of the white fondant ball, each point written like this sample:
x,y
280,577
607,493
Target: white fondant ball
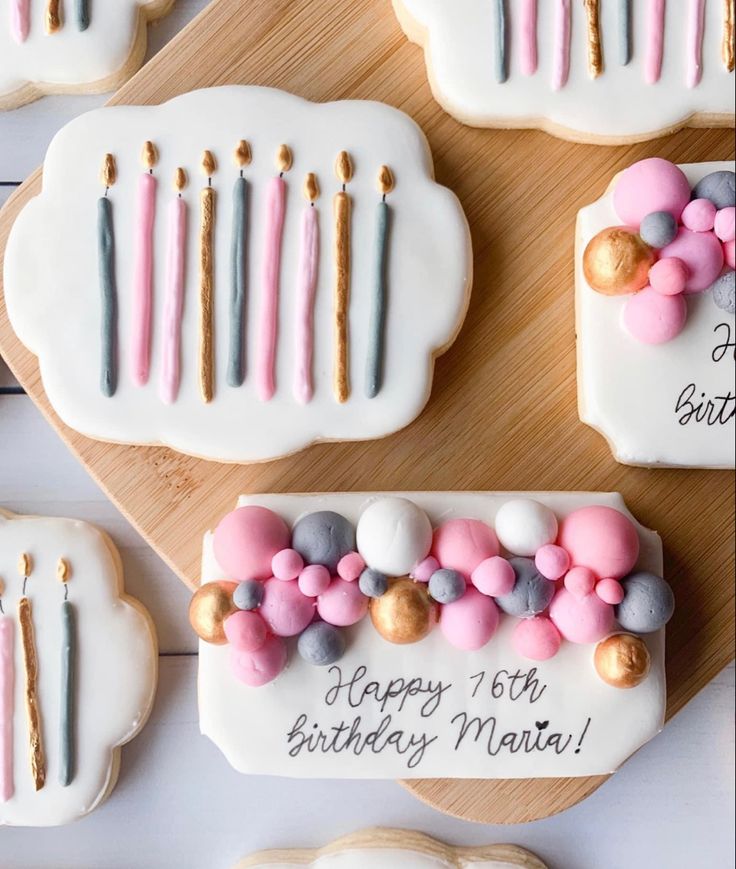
x,y
393,535
523,526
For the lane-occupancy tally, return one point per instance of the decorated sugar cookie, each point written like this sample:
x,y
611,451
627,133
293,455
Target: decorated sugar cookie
x,y
78,664
239,273
423,635
654,278
71,46
587,70
383,848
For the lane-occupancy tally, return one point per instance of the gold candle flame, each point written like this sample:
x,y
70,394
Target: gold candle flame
x,y
25,565
63,571
311,188
385,180
2,586
149,155
109,171
208,164
344,167
595,52
180,179
284,158
242,154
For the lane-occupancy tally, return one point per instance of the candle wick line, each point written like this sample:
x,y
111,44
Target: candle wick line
x,y
241,173
66,592
106,190
25,580
150,171
2,611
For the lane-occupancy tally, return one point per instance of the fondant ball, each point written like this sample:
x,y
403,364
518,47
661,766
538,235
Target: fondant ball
x,y
536,638
650,185
581,619
724,292
287,564
321,644
729,254
350,566
469,623
394,535
210,605
446,586
342,603
601,538
616,261
531,593
245,631
622,661
405,614
610,591
719,187
423,571
668,276
323,538
248,595
246,541
461,544
373,583
262,666
523,526
494,576
580,581
658,229
552,561
702,254
314,579
699,215
725,224
653,318
648,603
285,609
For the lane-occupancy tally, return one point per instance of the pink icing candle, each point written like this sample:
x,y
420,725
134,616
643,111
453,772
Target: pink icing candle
x,y
174,300
307,285
695,24
528,34
561,69
655,41
143,279
20,19
7,689
267,331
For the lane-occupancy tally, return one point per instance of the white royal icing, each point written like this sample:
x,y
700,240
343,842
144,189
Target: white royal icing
x,y
459,43
251,725
383,858
629,390
54,300
115,673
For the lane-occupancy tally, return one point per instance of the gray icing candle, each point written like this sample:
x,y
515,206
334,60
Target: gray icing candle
x,y
238,271
377,325
67,735
624,32
106,255
82,10
502,68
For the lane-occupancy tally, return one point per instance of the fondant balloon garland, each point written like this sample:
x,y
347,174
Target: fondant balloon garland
x,y
570,581
673,242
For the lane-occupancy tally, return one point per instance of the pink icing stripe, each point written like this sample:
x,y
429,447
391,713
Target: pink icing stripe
x,y
561,69
528,33
695,25
7,697
174,300
143,279
307,285
655,41
265,363
20,19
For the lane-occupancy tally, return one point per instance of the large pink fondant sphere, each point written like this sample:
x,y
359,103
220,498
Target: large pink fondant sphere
x,y
285,609
701,252
470,622
246,541
536,638
461,544
262,666
581,620
647,186
602,539
342,604
654,318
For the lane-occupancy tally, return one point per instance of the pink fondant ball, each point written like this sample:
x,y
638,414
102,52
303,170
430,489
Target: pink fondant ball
x,y
287,564
314,579
342,604
602,539
536,638
653,318
470,622
699,215
350,566
494,576
423,571
610,591
729,254
285,609
262,666
725,224
461,544
246,541
580,581
668,276
581,620
702,254
552,561
650,185
245,631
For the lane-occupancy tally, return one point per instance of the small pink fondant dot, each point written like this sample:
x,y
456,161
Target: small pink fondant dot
x,y
729,254
314,579
668,276
653,318
610,591
287,564
725,224
536,638
699,215
494,576
423,571
552,561
350,566
580,581
245,631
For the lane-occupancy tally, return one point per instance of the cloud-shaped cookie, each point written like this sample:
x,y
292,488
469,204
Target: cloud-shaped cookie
x,y
499,69
113,666
400,270
92,51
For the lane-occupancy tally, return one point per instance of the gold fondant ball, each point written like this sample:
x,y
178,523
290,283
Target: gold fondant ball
x,y
622,660
617,262
211,605
405,614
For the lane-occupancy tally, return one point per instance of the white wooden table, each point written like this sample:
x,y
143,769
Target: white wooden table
x,y
179,804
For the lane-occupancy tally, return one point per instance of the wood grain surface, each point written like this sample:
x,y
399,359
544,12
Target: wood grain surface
x,y
503,409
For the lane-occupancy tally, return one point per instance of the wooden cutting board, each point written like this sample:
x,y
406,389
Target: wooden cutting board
x,y
503,409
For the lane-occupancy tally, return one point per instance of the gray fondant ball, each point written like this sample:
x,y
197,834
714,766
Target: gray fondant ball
x,y
724,292
321,644
373,583
248,595
658,229
323,538
531,594
648,603
719,187
446,586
